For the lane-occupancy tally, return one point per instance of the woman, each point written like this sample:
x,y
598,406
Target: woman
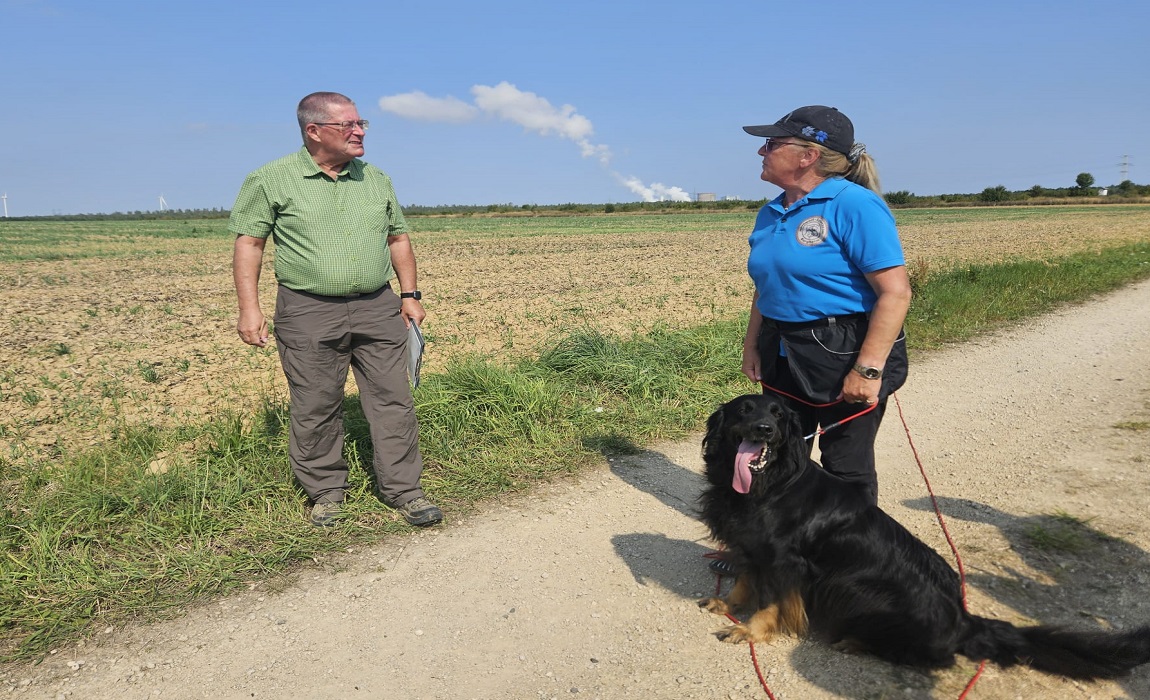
x,y
831,288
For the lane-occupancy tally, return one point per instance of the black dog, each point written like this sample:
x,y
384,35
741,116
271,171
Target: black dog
x,y
816,557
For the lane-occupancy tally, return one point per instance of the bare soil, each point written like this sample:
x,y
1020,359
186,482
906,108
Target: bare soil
x,y
587,588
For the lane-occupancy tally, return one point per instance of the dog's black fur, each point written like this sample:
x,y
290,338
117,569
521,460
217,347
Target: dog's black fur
x,y
815,556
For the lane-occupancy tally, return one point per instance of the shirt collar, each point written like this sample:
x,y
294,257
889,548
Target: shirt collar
x,y
827,189
353,168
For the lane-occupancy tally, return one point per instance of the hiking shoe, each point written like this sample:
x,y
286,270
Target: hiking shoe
x,y
421,512
326,514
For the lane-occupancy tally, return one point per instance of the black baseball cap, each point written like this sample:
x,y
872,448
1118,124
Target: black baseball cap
x,y
825,125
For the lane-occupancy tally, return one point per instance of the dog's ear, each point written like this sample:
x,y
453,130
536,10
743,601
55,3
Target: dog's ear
x,y
796,445
714,436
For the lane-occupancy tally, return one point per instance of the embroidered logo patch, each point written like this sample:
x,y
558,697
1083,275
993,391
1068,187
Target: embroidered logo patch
x,y
812,133
812,231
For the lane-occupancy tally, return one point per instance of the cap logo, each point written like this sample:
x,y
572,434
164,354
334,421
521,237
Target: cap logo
x,y
814,134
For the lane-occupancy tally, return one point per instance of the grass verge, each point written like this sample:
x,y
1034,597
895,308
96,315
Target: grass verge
x,y
157,520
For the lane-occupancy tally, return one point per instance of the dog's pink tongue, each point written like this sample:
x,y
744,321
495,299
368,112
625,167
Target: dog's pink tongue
x,y
748,451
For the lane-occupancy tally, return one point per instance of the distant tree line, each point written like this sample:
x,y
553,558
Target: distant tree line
x,y
166,214
573,208
1083,187
1124,192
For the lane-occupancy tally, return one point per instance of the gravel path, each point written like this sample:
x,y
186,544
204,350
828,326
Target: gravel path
x,y
587,588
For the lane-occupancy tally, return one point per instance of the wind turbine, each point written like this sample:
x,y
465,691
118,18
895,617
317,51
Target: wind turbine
x,y
5,198
163,204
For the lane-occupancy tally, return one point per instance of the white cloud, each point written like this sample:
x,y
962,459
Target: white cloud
x,y
420,106
536,114
507,102
530,111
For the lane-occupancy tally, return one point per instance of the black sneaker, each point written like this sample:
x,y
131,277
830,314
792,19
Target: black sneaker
x,y
421,512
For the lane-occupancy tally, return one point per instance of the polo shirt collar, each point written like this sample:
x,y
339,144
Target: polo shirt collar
x,y
827,189
353,168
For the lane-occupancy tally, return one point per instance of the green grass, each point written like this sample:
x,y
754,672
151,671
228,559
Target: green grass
x,y
1062,533
965,215
1134,425
68,240
157,520
955,305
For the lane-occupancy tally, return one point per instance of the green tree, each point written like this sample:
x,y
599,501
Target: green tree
x,y
1085,182
998,193
900,197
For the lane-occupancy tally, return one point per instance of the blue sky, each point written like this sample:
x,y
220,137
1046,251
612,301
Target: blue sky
x,y
106,106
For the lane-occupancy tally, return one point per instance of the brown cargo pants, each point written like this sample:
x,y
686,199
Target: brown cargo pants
x,y
318,338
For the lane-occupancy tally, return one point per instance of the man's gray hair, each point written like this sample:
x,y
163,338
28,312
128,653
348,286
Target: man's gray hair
x,y
316,108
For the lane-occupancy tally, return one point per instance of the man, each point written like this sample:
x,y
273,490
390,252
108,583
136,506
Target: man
x,y
339,237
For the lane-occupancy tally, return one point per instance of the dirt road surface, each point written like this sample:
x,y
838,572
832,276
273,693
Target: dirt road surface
x,y
587,588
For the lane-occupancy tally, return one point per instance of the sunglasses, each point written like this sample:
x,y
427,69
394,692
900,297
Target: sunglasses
x,y
772,144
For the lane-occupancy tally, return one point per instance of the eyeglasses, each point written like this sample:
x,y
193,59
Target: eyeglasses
x,y
772,144
345,126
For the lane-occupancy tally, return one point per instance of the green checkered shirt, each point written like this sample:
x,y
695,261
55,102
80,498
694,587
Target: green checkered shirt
x,y
330,236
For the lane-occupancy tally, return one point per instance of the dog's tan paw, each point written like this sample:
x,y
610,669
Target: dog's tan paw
x,y
735,634
715,605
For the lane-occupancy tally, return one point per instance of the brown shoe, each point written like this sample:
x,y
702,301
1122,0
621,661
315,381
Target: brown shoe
x,y
326,514
421,512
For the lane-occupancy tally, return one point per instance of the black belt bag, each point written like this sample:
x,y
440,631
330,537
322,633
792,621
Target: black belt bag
x,y
820,353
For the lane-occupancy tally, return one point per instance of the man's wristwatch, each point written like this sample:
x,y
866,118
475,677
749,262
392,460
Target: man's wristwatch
x,y
411,295
868,372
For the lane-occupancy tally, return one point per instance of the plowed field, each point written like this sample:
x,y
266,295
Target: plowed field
x,y
120,323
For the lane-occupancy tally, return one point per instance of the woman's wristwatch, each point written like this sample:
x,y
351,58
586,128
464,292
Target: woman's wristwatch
x,y
868,372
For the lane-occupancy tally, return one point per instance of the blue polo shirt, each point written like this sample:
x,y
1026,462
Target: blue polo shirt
x,y
808,262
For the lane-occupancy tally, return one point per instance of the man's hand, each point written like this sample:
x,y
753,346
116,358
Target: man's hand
x,y
253,328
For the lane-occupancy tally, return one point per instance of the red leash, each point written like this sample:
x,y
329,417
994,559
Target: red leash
x,y
937,512
820,431
732,618
945,533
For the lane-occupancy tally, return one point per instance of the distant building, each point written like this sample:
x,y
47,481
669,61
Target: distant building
x,y
1103,192
705,197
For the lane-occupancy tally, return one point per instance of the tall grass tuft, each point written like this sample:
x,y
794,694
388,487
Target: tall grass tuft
x,y
486,428
115,531
660,383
